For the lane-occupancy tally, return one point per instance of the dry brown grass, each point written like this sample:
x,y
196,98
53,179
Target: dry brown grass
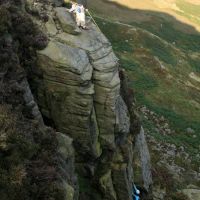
x,y
126,11
196,2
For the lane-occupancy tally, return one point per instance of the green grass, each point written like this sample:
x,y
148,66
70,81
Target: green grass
x,y
167,97
128,64
158,48
195,64
169,33
119,43
176,120
179,139
144,83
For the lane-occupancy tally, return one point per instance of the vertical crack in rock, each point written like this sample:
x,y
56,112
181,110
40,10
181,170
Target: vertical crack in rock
x,y
78,87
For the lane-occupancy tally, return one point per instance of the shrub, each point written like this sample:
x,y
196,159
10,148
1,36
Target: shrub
x,y
5,20
26,151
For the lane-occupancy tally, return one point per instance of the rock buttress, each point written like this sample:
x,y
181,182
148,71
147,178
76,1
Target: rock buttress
x,y
78,87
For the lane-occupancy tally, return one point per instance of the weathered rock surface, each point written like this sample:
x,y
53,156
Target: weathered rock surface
x,y
30,102
142,149
63,17
77,90
68,180
78,87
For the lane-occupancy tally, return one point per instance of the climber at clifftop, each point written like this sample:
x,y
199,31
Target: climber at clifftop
x,y
79,11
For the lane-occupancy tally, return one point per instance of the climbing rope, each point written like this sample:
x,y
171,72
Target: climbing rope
x,y
93,20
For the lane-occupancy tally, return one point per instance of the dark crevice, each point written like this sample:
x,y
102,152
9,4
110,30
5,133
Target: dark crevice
x,y
49,122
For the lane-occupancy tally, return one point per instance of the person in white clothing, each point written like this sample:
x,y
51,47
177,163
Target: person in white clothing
x,y
79,10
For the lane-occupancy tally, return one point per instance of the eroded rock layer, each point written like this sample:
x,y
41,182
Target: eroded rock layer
x,y
69,80
78,87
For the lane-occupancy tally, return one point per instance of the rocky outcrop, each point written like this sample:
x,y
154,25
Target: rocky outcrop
x,y
67,180
78,88
75,88
30,102
142,148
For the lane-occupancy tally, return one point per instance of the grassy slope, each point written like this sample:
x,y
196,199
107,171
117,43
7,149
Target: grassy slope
x,y
128,11
169,92
164,91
